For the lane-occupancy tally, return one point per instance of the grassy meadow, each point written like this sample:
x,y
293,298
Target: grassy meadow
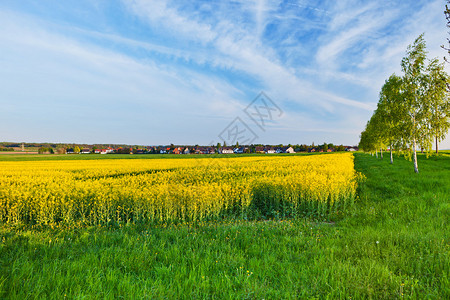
x,y
393,242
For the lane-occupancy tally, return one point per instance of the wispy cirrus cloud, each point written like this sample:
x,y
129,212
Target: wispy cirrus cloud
x,y
238,48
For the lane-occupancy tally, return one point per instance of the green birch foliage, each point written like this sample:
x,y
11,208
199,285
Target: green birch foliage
x,y
413,109
391,111
438,100
414,100
416,130
376,126
370,137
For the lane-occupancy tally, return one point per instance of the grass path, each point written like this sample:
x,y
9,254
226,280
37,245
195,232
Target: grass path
x,y
394,243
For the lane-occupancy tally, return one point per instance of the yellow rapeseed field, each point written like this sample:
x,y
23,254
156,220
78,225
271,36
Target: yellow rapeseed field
x,y
117,191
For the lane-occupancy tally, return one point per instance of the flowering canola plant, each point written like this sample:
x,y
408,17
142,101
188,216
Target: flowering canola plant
x,y
93,192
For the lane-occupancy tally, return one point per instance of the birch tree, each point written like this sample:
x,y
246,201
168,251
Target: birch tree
x,y
438,101
413,65
376,127
371,137
365,142
390,110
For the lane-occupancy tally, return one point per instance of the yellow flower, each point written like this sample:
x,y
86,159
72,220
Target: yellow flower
x,y
96,192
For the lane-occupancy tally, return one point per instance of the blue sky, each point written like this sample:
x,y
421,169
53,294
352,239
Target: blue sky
x,y
156,72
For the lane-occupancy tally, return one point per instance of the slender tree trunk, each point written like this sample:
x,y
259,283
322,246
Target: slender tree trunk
x,y
381,153
416,168
437,151
392,159
376,153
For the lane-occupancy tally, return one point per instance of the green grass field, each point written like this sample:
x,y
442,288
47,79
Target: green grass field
x,y
394,243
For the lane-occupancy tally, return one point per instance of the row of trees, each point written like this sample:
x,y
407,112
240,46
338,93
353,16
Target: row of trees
x,y
413,110
6,149
43,150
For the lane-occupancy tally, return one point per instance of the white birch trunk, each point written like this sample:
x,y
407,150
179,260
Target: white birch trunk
x,y
392,159
416,168
437,151
381,153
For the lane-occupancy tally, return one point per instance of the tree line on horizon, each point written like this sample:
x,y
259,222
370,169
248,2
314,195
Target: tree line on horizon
x,y
60,148
246,148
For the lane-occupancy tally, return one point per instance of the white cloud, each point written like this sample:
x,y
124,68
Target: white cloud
x,y
241,51
159,14
59,77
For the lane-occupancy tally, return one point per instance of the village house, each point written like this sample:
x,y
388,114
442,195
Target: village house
x,y
204,150
177,150
239,150
259,149
284,149
288,150
227,150
103,151
270,150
